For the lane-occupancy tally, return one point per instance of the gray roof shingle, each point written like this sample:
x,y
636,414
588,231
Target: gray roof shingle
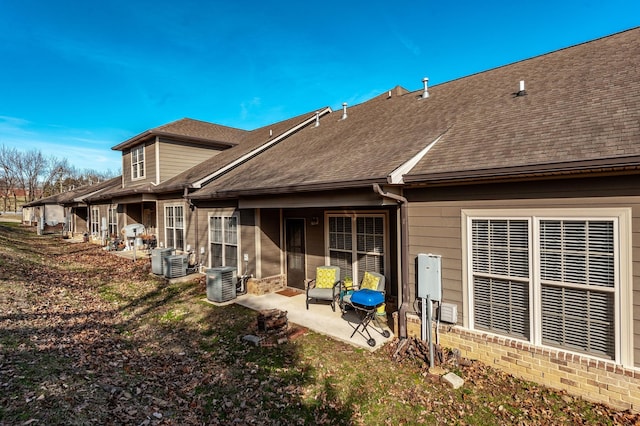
x,y
582,109
189,129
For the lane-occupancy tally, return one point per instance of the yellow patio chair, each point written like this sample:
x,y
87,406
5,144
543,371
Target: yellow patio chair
x,y
325,286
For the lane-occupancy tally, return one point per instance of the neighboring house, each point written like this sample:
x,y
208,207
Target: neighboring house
x,y
151,158
99,222
48,215
67,211
523,179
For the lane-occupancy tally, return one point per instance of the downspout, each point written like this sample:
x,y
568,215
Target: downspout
x,y
404,253
193,208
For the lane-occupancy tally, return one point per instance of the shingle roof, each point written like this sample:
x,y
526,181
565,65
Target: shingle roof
x,y
582,109
187,128
249,142
78,194
582,106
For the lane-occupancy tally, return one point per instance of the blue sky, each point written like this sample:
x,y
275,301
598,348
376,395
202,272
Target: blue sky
x,y
79,77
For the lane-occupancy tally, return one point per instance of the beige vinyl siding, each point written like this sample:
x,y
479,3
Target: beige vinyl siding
x,y
435,225
247,241
435,228
149,166
270,243
177,157
160,218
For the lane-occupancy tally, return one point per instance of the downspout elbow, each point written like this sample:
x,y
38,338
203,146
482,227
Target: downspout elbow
x,y
404,254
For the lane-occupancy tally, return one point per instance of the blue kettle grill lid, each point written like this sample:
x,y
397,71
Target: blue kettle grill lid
x,y
367,298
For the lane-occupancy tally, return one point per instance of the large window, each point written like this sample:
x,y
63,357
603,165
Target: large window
x,y
174,226
95,220
550,280
500,253
137,162
113,221
356,243
223,236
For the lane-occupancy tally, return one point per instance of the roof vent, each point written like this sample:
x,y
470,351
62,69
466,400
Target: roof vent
x,y
344,110
425,94
317,118
521,92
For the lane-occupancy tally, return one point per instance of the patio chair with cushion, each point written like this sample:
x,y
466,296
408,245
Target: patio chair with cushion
x,y
325,286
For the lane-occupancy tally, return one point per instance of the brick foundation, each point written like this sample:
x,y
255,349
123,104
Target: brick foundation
x,y
266,285
594,380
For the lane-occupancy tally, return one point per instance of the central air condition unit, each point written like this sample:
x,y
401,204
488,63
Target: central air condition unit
x,y
175,266
221,284
157,259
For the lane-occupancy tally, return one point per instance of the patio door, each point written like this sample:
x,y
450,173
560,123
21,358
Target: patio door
x,y
296,265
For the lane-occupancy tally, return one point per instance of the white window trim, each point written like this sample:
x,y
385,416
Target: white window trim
x,y
112,214
94,220
623,251
184,223
353,216
223,214
141,149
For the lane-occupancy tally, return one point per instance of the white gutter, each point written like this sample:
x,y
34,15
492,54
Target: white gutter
x,y
198,184
397,176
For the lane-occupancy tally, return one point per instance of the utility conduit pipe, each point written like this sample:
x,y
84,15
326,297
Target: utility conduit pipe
x,y
404,254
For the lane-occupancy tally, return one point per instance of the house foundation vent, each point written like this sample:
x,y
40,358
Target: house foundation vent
x,y
449,313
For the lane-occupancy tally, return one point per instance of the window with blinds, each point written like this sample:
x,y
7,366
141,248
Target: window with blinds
x,y
565,269
577,276
357,244
500,263
223,236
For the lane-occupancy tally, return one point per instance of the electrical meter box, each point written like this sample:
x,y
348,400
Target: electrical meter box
x,y
430,276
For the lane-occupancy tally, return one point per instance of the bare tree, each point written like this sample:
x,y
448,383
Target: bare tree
x,y
38,176
31,165
8,176
57,172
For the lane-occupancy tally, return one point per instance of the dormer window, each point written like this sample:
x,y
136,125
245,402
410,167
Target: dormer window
x,y
137,162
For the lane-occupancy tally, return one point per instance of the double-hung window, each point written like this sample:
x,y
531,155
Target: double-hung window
x,y
137,162
553,278
113,220
223,237
357,243
95,220
174,226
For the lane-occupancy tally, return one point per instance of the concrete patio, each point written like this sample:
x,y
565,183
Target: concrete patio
x,y
319,318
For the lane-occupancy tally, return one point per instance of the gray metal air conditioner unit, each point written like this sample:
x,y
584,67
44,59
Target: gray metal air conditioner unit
x,y
221,283
175,266
157,259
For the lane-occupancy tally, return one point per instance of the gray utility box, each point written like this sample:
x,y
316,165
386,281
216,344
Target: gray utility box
x,y
175,266
221,283
157,259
